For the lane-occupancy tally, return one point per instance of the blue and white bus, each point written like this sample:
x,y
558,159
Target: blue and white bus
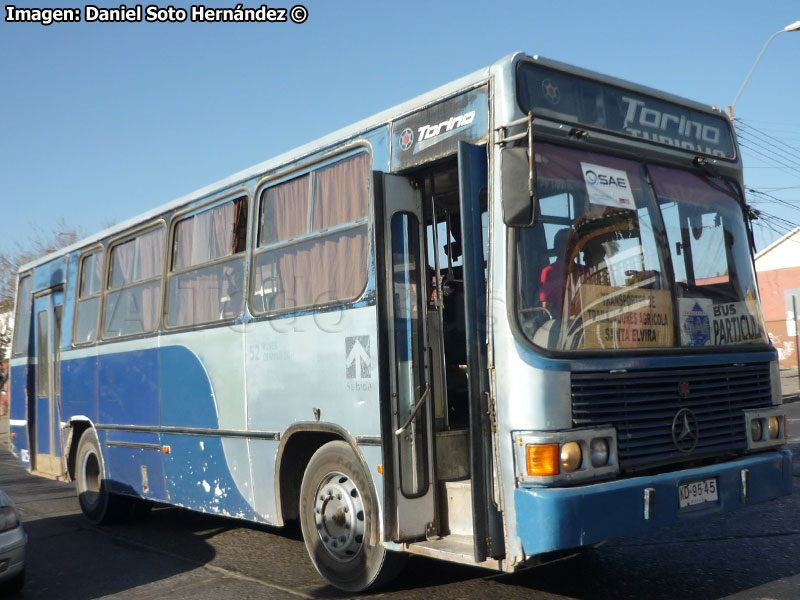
x,y
513,316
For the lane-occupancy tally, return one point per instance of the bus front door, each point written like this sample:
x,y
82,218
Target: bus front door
x,y
411,419
473,186
46,449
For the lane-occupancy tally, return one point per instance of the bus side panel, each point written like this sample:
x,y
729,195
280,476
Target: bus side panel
x,y
43,435
79,384
128,388
138,471
202,390
319,369
128,395
18,410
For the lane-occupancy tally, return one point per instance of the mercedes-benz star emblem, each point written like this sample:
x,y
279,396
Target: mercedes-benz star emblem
x,y
685,431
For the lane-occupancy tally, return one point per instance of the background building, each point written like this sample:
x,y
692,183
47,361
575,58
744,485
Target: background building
x,y
778,268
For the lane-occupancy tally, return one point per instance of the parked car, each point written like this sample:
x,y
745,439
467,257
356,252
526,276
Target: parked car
x,y
13,540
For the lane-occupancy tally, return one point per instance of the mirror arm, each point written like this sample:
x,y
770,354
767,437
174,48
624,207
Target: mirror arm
x,y
530,154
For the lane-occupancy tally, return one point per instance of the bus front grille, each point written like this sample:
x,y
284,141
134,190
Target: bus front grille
x,y
643,406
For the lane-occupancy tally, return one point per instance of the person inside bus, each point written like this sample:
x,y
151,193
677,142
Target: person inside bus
x,y
455,340
553,276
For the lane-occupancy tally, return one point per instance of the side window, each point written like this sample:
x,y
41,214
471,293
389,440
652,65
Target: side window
x,y
90,289
313,238
206,280
22,319
133,296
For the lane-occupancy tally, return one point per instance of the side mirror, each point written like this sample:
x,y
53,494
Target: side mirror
x,y
518,187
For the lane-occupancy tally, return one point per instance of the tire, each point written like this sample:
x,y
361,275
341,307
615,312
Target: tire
x,y
13,585
338,517
97,504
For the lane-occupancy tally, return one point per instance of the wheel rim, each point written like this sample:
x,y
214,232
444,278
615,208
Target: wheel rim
x,y
339,516
91,478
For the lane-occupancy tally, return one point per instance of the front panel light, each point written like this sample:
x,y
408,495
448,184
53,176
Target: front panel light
x,y
571,456
756,430
774,426
542,459
766,428
599,452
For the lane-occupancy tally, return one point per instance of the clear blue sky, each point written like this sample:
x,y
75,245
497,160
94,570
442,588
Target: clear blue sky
x,y
100,122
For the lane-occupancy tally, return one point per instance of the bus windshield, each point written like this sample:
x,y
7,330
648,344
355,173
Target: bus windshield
x,y
614,263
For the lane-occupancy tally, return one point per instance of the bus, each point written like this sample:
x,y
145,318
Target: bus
x,y
513,317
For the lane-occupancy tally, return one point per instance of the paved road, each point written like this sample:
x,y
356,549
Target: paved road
x,y
754,553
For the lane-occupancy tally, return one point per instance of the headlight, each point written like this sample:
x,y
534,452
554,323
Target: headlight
x,y
9,519
774,427
571,456
599,452
756,430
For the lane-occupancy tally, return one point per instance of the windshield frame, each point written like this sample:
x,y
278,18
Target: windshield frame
x,y
665,253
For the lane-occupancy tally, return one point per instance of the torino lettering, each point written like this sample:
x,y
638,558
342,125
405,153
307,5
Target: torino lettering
x,y
429,131
696,135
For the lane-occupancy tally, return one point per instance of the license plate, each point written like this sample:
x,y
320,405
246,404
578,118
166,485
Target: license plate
x,y
697,492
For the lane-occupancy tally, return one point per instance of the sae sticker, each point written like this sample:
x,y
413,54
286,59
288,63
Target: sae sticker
x,y
607,187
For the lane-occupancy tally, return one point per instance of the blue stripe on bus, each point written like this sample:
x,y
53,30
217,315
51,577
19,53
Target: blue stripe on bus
x,y
19,384
186,396
18,410
199,477
128,388
79,387
159,386
43,425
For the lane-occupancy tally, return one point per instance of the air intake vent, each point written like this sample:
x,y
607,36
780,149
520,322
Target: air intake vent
x,y
642,405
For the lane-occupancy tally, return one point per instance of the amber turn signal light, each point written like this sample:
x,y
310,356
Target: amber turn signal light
x,y
543,459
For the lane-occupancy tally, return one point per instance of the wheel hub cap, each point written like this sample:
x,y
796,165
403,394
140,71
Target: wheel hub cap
x,y
339,516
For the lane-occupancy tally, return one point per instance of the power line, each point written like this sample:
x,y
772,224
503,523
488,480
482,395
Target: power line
x,y
764,145
771,198
757,132
773,159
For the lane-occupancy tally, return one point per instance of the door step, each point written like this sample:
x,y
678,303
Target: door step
x,y
454,548
456,507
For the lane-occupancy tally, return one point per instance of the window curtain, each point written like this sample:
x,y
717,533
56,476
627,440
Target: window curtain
x,y
338,262
286,211
151,250
341,192
122,268
198,296
327,268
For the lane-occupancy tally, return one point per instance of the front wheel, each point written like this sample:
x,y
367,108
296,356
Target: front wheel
x,y
338,516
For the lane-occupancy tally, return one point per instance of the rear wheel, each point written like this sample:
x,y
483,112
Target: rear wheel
x,y
97,503
338,516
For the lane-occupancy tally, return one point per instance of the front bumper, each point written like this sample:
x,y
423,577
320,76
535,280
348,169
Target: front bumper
x,y
12,552
550,519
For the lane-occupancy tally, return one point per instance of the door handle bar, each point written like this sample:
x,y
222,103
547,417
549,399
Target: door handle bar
x,y
414,412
